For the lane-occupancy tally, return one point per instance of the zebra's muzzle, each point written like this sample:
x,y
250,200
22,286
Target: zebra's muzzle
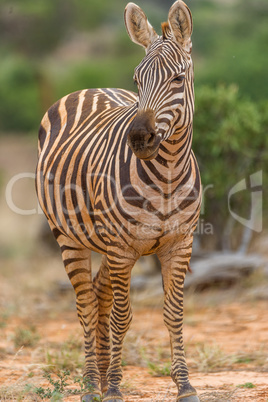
x,y
142,138
144,145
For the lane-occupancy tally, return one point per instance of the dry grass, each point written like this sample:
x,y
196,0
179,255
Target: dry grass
x,y
25,337
65,356
257,358
210,357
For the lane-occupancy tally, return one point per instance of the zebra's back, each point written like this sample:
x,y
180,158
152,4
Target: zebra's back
x,y
76,114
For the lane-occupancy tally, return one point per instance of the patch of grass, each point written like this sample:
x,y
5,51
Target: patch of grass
x,y
123,363
58,386
69,356
209,358
127,385
243,359
246,385
258,358
27,337
159,370
136,354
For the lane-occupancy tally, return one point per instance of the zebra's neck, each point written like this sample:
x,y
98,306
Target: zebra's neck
x,y
172,166
174,152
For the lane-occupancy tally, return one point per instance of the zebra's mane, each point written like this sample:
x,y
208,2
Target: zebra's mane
x,y
166,32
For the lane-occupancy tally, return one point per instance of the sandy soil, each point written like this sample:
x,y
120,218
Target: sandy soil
x,y
237,330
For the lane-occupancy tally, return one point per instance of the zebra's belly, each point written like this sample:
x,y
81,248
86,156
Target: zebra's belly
x,y
99,233
144,234
100,223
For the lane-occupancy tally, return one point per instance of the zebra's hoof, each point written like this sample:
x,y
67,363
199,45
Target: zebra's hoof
x,y
95,397
111,399
189,398
113,395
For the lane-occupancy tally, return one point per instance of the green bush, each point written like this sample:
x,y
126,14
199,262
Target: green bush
x,y
19,98
230,142
229,39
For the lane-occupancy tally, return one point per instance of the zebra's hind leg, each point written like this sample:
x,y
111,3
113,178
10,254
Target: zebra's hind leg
x,y
103,291
78,267
174,266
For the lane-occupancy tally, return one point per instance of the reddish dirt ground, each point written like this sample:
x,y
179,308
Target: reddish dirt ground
x,y
237,330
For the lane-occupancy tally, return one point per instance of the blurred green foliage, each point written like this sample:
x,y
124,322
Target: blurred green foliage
x,y
230,141
19,96
229,40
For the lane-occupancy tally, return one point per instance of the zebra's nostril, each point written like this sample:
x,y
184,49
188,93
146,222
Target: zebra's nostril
x,y
151,139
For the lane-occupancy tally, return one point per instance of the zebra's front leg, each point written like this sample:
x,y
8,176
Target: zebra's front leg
x,y
103,291
121,315
77,264
174,267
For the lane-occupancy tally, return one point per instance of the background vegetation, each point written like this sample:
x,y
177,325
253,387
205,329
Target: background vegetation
x,y
50,48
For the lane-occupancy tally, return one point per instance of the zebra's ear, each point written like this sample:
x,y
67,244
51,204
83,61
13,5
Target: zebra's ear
x,y
181,24
138,27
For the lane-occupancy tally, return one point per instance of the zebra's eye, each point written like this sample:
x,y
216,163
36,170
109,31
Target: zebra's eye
x,y
135,81
178,79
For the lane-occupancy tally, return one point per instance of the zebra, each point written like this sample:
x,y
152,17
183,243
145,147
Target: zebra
x,y
116,175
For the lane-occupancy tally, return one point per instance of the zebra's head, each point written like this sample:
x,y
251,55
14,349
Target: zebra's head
x,y
164,78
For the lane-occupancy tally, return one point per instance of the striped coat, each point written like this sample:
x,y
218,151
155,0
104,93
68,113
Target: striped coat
x,y
116,174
